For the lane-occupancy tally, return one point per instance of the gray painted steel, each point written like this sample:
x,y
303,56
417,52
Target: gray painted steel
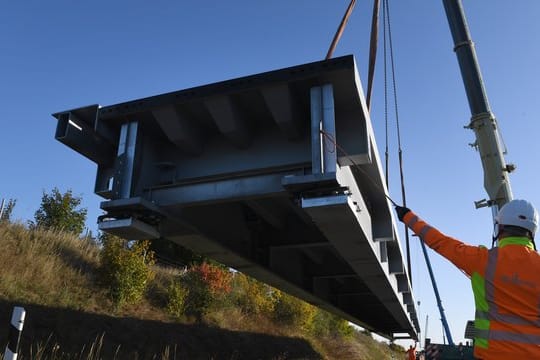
x,y
240,171
483,121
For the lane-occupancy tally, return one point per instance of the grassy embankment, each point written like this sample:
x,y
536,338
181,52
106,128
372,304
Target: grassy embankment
x,y
69,315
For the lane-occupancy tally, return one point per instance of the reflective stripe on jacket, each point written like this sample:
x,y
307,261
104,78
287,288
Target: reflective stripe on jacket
x,y
506,287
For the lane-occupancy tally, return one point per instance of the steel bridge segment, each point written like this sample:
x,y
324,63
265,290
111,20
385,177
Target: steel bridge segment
x,y
247,172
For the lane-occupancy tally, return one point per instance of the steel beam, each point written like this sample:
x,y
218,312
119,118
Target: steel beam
x,y
179,129
246,172
229,119
284,108
125,161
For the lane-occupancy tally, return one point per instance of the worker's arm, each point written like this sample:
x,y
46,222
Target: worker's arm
x,y
466,257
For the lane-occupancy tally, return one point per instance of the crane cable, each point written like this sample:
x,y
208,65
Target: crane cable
x,y
385,72
387,22
387,27
380,188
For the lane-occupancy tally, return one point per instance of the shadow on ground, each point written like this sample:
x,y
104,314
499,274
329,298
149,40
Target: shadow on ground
x,y
75,332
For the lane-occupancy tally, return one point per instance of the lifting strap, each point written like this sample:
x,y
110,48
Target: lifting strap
x,y
374,38
340,29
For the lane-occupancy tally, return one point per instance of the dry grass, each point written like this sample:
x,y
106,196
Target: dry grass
x,y
360,346
36,258
93,351
56,269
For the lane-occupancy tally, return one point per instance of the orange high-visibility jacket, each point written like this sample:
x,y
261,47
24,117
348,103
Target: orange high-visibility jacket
x,y
506,287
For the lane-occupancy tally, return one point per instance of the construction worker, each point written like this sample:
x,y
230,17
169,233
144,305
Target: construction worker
x,y
505,280
411,353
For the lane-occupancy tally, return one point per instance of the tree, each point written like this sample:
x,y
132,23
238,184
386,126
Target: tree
x,y
8,209
60,211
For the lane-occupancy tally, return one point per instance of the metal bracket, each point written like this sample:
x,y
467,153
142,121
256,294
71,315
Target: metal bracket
x,y
474,145
483,203
510,168
129,228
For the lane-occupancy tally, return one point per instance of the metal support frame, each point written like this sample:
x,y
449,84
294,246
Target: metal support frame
x,y
125,160
323,130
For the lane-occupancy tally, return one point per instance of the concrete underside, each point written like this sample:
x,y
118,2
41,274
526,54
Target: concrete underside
x,y
239,171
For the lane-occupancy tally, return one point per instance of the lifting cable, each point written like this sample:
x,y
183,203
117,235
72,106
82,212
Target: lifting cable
x,y
371,71
385,72
387,27
339,148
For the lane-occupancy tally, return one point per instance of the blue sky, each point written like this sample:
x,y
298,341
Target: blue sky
x,y
56,55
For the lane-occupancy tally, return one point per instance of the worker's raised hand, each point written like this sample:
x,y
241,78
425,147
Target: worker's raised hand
x,y
401,211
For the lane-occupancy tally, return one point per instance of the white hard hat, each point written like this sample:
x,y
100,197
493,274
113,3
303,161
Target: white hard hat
x,y
520,213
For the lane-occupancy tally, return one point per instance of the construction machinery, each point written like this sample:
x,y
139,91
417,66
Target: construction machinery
x,y
489,145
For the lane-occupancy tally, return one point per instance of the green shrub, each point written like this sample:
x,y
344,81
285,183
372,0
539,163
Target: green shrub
x,y
327,324
199,298
397,348
177,295
294,312
367,332
253,297
341,327
125,270
207,286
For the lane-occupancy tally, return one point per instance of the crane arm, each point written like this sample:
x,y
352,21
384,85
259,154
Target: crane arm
x,y
483,122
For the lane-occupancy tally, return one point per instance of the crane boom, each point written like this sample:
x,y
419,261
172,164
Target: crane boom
x,y
484,125
483,122
437,296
